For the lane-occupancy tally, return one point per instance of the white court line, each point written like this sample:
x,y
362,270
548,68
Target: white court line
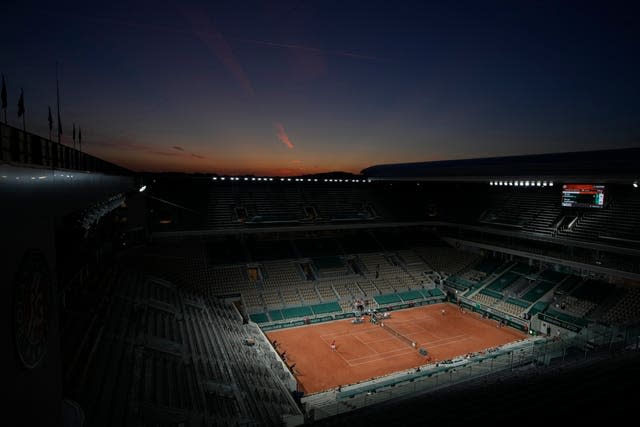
x,y
441,344
378,359
452,339
399,352
377,354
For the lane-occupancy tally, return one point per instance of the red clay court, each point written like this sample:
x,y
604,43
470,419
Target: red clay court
x,y
365,351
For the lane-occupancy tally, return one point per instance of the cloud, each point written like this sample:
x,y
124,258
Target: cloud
x,y
282,135
124,143
165,153
310,49
216,42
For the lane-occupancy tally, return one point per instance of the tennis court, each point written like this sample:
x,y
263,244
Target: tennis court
x,y
365,351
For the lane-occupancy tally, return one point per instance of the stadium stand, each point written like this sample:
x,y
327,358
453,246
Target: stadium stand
x,y
169,328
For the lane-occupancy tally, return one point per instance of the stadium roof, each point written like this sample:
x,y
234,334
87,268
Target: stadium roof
x,y
618,165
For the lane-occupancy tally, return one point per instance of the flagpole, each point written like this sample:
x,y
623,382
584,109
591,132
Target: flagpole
x,y
58,101
24,111
50,120
4,99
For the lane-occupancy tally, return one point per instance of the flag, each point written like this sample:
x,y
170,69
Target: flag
x,y
50,120
4,94
74,132
21,104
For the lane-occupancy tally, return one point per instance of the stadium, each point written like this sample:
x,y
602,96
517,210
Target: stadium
x,y
501,289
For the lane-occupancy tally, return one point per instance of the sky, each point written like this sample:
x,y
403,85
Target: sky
x,y
285,88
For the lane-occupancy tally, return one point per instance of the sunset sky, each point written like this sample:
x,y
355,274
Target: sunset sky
x,y
295,87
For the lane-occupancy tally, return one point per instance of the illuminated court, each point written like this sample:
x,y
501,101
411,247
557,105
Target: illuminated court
x,y
366,350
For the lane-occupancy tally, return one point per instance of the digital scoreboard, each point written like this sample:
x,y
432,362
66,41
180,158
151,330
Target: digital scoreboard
x,y
582,196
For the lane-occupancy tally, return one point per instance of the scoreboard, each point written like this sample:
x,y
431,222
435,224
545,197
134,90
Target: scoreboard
x,y
583,196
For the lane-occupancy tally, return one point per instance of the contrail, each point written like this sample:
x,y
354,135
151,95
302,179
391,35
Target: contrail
x,y
282,135
218,44
309,48
211,33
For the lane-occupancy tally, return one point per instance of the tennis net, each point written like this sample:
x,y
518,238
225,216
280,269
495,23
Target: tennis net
x,y
399,335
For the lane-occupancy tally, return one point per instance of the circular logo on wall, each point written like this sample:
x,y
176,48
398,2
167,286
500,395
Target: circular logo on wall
x,y
31,308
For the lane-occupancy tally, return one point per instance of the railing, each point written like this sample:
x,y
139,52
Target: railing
x,y
431,377
24,148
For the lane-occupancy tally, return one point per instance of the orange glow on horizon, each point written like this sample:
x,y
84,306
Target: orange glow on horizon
x,y
143,162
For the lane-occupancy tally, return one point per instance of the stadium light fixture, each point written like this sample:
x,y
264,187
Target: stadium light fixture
x,y
538,184
144,187
551,184
215,178
635,184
